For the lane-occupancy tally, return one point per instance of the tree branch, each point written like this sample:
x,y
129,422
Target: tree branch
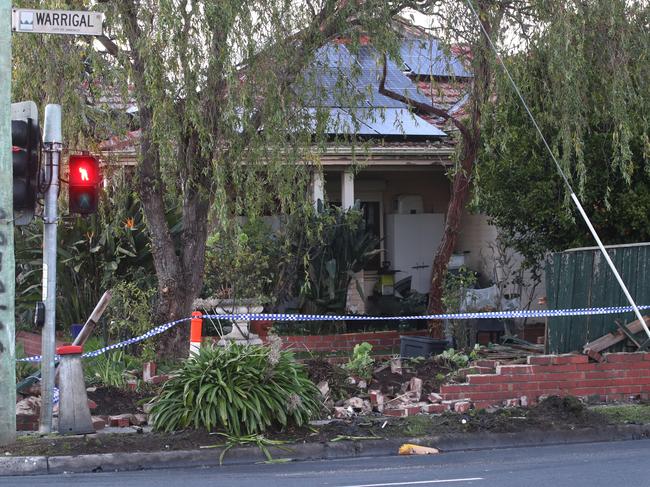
x,y
109,45
418,106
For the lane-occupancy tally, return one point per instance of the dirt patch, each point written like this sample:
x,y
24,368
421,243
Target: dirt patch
x,y
552,414
319,370
433,375
112,400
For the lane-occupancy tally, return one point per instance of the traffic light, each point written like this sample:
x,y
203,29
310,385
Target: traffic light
x,y
83,184
25,151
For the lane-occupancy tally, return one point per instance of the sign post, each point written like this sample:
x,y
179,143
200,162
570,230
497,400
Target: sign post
x,y
7,274
46,22
53,141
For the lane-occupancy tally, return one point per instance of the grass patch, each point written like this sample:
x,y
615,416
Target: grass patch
x,y
418,425
631,413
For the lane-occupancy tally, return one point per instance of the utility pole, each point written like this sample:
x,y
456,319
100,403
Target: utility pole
x,y
52,141
7,263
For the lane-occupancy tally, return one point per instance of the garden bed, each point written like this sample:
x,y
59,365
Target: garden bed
x,y
551,414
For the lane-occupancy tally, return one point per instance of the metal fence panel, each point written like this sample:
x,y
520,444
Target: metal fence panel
x,y
580,278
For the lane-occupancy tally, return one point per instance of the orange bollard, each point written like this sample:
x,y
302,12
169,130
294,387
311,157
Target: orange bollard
x,y
196,330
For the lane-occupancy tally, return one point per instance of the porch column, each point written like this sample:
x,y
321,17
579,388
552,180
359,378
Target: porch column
x,y
318,188
347,189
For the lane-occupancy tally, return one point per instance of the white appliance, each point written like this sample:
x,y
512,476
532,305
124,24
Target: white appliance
x,y
411,243
409,203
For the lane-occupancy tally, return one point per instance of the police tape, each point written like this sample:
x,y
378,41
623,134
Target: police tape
x,y
514,314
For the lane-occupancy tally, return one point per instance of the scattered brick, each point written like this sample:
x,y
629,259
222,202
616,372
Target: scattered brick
x,y
120,421
139,419
512,403
434,408
398,412
462,406
434,397
98,423
148,371
415,387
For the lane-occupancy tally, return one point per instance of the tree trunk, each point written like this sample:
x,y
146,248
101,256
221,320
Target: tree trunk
x,y
459,194
471,140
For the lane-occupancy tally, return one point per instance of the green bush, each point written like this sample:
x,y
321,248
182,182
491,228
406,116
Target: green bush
x,y
361,362
23,369
129,315
239,389
110,369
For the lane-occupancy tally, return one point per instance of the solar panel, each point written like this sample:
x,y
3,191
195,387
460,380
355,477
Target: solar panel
x,y
424,57
397,122
346,88
340,122
372,68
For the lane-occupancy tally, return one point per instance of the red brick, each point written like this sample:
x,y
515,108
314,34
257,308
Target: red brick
x,y
480,378
487,388
462,406
435,408
98,423
491,363
453,388
569,359
540,359
528,386
400,413
623,357
413,410
608,374
555,369
592,383
637,373
568,376
515,369
478,396
120,421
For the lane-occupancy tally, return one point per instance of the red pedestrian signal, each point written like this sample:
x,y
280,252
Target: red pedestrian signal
x,y
83,184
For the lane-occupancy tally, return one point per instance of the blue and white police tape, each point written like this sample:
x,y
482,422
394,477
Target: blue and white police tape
x,y
151,333
300,317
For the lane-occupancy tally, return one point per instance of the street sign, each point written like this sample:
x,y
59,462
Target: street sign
x,y
57,22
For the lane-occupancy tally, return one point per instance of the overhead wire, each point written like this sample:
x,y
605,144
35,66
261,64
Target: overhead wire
x,y
574,198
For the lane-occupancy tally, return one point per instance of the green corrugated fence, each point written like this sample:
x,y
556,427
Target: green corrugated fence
x,y
581,278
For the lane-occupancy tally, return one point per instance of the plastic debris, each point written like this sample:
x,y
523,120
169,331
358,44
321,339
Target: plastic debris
x,y
409,449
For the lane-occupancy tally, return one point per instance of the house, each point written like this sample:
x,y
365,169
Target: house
x,y
398,171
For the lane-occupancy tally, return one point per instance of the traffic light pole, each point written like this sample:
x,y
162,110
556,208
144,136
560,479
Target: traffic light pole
x,y
7,273
52,141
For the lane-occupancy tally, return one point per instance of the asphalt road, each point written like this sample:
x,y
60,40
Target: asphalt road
x,y
589,465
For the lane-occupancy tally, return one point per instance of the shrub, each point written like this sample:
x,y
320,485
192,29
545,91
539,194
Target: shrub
x,y
111,369
240,389
361,362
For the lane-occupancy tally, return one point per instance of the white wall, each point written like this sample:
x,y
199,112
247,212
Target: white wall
x,y
476,236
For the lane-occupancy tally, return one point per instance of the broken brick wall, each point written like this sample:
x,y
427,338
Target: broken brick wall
x,y
619,377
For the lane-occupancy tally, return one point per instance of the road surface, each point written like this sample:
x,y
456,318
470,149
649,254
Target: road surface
x,y
583,465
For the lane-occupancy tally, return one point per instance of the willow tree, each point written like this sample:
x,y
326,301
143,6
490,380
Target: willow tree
x,y
458,29
221,127
585,74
